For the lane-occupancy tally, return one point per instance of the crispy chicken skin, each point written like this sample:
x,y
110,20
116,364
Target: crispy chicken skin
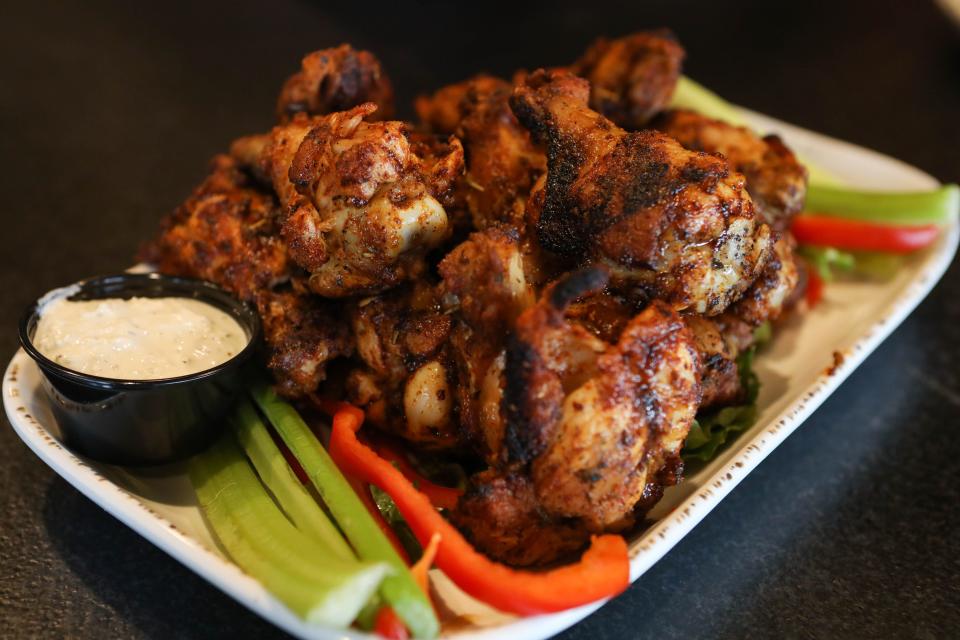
x,y
502,162
680,224
303,333
361,207
719,374
767,298
631,78
484,291
776,180
405,382
227,232
501,515
336,80
721,338
596,420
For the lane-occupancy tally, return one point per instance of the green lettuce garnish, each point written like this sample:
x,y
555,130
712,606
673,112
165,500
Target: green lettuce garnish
x,y
713,428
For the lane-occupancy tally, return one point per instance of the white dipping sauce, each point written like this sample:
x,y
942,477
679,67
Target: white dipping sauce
x,y
139,338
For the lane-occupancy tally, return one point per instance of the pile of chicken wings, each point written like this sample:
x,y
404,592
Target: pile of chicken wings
x,y
550,275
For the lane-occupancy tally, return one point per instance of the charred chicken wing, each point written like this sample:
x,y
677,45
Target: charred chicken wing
x,y
632,78
776,180
336,80
227,232
680,224
502,162
361,207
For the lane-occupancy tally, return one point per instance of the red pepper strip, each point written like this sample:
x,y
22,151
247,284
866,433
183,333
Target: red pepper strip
x,y
856,235
603,571
814,293
441,497
389,625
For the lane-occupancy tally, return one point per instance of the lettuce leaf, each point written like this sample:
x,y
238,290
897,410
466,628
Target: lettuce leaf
x,y
713,428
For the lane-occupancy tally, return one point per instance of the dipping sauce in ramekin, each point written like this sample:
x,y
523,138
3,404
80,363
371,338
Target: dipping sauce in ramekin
x,y
137,338
143,370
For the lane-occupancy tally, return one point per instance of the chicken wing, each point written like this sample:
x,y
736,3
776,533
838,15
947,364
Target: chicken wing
x,y
405,382
336,80
227,232
597,421
502,162
362,207
501,515
484,291
632,78
776,180
679,224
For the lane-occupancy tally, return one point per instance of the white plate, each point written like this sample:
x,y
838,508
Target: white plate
x,y
798,372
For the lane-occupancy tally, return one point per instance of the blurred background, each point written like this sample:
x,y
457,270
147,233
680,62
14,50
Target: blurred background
x,y
111,110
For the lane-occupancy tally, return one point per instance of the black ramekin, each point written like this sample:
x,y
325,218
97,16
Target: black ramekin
x,y
144,422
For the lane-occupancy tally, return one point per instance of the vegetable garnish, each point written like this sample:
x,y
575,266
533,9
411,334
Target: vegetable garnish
x,y
826,231
440,496
362,489
297,568
279,477
711,430
399,590
602,572
814,292
915,208
389,625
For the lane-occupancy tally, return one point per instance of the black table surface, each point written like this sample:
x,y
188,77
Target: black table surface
x,y
110,111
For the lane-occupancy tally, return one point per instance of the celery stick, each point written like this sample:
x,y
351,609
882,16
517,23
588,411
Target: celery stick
x,y
255,533
399,590
939,206
274,471
694,96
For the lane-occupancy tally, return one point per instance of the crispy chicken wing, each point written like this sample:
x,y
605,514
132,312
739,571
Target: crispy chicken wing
x,y
485,290
361,206
502,162
632,78
501,515
678,223
719,375
596,420
776,180
227,232
767,298
303,333
405,382
336,80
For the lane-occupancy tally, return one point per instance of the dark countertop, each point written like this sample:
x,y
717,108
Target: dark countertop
x,y
110,111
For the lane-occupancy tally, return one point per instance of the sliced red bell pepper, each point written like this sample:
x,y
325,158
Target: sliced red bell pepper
x,y
814,291
602,572
389,625
441,497
856,235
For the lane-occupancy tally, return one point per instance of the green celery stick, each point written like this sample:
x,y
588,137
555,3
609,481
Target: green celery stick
x,y
825,194
939,206
696,97
300,572
274,471
399,589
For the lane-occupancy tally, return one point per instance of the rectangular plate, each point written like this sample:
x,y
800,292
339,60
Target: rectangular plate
x,y
798,371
